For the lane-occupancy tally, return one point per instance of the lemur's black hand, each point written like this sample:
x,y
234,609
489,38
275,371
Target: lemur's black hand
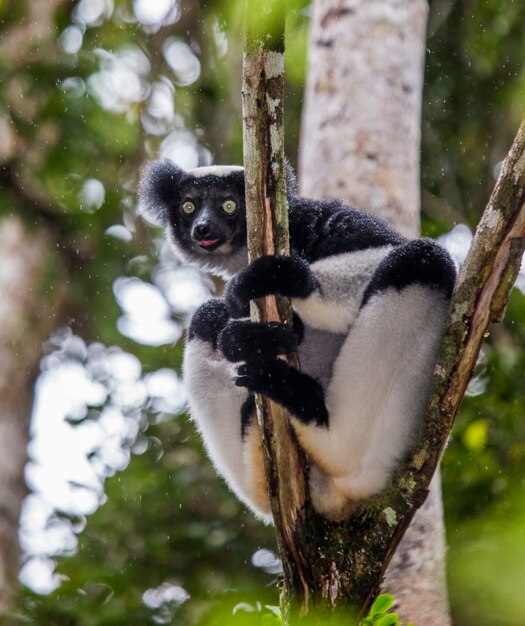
x,y
250,341
281,275
208,321
299,393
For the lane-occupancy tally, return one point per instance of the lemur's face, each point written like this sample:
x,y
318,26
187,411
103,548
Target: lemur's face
x,y
202,210
208,216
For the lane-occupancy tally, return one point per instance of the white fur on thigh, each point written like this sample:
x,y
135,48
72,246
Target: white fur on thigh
x,y
379,389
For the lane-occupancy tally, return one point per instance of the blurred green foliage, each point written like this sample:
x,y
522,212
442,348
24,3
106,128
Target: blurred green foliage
x,y
473,99
168,518
487,568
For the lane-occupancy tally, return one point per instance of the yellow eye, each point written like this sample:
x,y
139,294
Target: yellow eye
x,y
229,206
188,207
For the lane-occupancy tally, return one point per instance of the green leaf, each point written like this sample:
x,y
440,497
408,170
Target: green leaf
x,y
382,604
388,620
273,609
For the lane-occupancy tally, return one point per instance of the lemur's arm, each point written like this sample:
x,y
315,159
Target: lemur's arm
x,y
259,344
283,275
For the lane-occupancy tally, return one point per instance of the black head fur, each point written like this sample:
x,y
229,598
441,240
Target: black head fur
x,y
158,184
164,189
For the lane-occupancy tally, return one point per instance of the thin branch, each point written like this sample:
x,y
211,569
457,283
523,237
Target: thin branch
x,y
267,217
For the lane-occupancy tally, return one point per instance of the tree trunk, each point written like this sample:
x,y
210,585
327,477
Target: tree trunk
x,y
361,142
361,126
267,222
31,275
27,314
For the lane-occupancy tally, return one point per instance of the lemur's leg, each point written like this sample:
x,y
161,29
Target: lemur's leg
x,y
255,475
299,393
220,409
381,378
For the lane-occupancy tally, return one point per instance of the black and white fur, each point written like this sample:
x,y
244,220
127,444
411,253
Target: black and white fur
x,y
370,307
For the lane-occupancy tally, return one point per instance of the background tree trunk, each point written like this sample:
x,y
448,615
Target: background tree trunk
x,y
361,142
32,274
362,116
28,312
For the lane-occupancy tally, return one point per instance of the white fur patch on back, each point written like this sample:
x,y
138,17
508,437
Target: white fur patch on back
x,y
342,280
214,170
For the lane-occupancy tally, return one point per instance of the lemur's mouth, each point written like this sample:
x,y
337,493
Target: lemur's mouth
x,y
209,244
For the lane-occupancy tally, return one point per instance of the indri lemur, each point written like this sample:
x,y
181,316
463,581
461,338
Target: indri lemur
x,y
369,305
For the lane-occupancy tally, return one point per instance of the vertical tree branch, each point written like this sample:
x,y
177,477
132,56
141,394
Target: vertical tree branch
x,y
480,297
267,217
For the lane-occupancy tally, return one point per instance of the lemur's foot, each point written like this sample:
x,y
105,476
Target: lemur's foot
x,y
297,392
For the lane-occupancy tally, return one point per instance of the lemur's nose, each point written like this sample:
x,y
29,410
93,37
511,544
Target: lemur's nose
x,y
202,230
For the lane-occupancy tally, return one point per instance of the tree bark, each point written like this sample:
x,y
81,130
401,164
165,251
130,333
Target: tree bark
x,y
360,136
27,314
267,221
416,574
360,142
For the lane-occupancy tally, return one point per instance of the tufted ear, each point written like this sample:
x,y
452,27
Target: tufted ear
x,y
157,190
